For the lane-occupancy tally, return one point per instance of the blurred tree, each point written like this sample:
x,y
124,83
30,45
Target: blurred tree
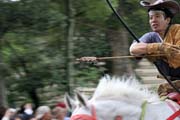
x,y
70,13
27,29
41,39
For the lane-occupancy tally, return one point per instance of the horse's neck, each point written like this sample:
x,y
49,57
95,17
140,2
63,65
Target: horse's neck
x,y
158,111
107,110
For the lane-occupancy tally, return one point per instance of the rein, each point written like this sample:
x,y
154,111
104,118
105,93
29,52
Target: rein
x,y
172,117
94,117
143,106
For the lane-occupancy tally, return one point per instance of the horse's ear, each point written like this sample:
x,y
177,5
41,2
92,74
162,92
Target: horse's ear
x,y
80,98
70,103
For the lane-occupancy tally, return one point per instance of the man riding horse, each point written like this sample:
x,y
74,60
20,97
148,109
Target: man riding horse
x,y
164,40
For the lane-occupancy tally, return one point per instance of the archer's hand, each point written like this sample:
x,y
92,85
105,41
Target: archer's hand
x,y
88,59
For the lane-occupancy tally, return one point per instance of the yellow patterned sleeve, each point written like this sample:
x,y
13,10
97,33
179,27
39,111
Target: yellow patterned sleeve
x,y
173,37
177,36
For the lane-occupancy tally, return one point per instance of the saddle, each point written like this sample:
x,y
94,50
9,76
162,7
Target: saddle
x,y
166,89
173,101
174,96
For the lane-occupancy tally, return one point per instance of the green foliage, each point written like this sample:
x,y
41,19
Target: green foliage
x,y
95,10
33,43
88,75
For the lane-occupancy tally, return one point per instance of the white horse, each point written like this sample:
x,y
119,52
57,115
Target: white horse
x,y
122,99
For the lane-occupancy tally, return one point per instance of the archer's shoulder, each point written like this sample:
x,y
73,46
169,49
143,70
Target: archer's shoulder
x,y
175,28
150,34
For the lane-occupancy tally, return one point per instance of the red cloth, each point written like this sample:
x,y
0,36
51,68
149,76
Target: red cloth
x,y
61,105
174,96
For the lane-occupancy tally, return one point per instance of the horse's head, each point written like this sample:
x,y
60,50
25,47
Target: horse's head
x,y
112,100
101,110
82,110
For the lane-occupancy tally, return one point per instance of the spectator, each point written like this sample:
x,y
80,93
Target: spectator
x,y
9,114
43,113
60,112
17,117
2,111
26,111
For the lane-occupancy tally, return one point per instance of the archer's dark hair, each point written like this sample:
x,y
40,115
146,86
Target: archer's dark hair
x,y
168,13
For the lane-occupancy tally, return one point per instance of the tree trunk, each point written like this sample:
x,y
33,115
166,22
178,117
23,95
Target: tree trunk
x,y
118,39
70,12
2,84
2,93
119,46
33,95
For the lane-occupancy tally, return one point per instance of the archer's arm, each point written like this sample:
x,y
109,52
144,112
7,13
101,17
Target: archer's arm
x,y
138,49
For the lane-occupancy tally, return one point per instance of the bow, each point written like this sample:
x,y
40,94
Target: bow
x,y
137,40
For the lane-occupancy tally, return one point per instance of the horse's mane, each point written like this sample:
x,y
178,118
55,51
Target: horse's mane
x,y
123,88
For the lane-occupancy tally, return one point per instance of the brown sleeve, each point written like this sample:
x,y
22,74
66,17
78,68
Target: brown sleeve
x,y
173,35
153,48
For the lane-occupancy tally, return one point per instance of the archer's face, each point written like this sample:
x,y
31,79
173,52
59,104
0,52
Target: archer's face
x,y
157,21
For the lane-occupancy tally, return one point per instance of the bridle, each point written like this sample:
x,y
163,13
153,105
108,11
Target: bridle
x,y
137,40
86,117
93,115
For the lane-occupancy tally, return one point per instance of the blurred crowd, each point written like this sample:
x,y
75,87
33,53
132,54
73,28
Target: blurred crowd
x,y
28,112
